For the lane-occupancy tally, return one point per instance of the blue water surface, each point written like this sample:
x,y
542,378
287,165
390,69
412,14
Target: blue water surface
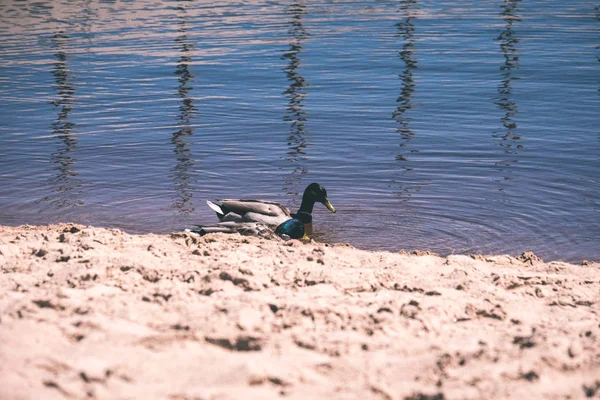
x,y
451,126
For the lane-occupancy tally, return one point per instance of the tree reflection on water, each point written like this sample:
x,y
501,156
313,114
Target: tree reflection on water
x,y
405,30
505,101
296,115
187,110
65,183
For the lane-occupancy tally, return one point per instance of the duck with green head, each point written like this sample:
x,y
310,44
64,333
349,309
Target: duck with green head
x,y
273,214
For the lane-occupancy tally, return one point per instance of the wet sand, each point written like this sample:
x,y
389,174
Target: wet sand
x,y
94,313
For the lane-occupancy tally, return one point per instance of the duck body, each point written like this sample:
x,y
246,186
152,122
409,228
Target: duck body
x,y
243,228
261,211
270,213
289,229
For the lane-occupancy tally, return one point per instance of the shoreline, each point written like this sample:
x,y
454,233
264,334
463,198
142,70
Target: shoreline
x,y
99,313
542,254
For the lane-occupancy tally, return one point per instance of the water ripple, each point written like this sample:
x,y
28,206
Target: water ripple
x,y
454,127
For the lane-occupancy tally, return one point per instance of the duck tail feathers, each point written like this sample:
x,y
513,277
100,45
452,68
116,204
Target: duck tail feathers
x,y
215,208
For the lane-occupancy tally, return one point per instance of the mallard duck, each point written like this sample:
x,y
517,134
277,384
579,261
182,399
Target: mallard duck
x,y
270,213
290,229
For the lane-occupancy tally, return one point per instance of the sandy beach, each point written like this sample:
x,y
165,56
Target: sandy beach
x,y
94,313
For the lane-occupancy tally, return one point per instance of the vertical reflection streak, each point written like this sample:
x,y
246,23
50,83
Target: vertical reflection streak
x,y
295,113
405,30
597,15
65,182
505,101
187,111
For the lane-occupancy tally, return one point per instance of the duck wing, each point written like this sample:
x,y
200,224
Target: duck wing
x,y
267,208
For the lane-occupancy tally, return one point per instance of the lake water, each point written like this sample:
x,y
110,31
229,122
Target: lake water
x,y
453,126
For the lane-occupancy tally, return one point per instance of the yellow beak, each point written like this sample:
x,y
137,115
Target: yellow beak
x,y
329,206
